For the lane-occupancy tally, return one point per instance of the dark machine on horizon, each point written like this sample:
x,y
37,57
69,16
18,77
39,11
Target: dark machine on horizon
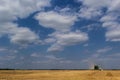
x,y
97,67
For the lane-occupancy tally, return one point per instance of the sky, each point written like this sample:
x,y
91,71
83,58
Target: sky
x,y
59,34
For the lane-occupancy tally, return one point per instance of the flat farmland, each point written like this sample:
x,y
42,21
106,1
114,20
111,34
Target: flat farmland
x,y
59,75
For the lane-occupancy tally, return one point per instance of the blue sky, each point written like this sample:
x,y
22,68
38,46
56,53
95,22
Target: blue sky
x,y
59,34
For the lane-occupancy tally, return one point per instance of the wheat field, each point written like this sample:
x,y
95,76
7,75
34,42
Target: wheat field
x,y
59,75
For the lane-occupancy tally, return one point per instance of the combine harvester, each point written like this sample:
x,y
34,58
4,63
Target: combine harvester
x,y
97,67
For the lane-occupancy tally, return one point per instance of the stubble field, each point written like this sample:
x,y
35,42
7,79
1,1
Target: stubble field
x,y
59,75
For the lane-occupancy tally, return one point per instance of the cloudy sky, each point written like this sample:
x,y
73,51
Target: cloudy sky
x,y
59,34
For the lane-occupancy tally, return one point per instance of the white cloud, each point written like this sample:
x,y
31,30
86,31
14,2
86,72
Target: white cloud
x,y
10,10
96,3
113,35
28,37
114,6
110,18
67,39
92,8
61,22
55,20
55,47
111,23
50,40
18,35
104,50
89,13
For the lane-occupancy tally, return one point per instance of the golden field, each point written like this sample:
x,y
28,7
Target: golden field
x,y
59,75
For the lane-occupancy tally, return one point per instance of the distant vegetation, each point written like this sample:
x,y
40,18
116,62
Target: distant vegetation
x,y
6,69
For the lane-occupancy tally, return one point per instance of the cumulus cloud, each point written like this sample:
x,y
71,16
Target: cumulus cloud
x,y
89,13
61,22
18,35
55,20
67,39
113,35
110,18
96,3
28,37
92,8
114,6
111,23
55,47
10,10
